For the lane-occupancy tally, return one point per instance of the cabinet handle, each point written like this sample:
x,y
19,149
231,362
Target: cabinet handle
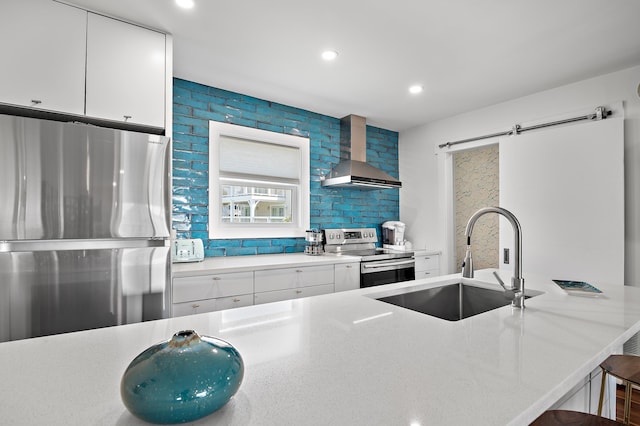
x,y
427,258
195,305
35,102
349,266
298,291
236,299
216,278
126,117
298,270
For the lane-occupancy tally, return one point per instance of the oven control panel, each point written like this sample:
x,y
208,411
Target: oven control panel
x,y
350,236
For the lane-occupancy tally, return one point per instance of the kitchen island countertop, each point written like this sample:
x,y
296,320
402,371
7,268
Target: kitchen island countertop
x,y
342,359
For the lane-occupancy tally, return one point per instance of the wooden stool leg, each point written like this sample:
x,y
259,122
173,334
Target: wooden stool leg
x,y
627,402
604,380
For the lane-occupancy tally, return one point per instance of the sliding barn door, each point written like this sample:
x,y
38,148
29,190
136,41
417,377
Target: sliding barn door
x,y
566,187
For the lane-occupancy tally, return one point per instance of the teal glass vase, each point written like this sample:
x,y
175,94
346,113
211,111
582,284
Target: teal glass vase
x,y
182,379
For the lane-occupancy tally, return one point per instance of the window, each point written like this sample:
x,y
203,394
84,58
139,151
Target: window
x,y
258,183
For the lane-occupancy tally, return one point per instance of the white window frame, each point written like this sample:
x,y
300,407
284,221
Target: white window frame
x,y
220,230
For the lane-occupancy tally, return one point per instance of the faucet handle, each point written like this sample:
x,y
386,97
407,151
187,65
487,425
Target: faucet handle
x,y
509,292
495,274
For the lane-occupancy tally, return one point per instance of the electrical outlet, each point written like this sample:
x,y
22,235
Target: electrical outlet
x,y
505,256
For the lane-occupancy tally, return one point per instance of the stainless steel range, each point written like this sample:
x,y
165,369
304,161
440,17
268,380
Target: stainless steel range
x,y
378,265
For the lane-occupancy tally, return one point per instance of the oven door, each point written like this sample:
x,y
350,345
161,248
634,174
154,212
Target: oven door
x,y
380,272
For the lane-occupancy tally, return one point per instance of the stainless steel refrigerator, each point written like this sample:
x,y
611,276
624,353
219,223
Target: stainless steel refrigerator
x,y
84,227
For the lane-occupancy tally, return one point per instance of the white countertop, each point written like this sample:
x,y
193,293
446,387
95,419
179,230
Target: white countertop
x,y
427,251
224,264
211,265
342,359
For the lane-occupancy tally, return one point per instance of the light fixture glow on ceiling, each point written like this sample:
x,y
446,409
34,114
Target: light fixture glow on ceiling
x,y
415,89
329,55
186,4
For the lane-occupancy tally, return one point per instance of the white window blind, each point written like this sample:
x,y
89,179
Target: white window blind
x,y
242,156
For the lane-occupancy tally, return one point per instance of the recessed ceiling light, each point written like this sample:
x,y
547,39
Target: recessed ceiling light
x,y
186,4
415,89
329,55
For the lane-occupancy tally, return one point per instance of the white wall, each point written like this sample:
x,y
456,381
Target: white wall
x,y
422,198
565,184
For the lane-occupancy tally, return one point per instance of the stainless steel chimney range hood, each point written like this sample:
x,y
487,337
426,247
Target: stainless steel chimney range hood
x,y
353,170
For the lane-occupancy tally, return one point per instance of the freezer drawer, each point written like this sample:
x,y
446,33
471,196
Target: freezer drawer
x,y
51,292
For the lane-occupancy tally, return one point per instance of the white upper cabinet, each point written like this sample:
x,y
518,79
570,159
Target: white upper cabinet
x,y
125,72
64,59
43,47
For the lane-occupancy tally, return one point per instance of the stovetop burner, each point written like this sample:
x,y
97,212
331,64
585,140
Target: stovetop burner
x,y
360,242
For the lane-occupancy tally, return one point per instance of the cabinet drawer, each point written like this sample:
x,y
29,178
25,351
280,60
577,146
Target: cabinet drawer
x,y
427,262
291,278
186,289
427,274
210,305
288,294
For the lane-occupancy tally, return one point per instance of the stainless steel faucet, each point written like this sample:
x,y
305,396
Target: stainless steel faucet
x,y
517,282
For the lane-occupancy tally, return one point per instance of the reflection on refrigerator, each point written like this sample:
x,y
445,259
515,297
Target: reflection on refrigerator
x,y
84,227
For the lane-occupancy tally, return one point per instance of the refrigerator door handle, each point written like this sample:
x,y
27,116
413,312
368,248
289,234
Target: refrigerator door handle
x,y
97,244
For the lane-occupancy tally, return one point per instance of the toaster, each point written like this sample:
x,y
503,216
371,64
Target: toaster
x,y
187,250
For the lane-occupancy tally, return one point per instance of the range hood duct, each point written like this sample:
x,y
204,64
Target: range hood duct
x,y
353,170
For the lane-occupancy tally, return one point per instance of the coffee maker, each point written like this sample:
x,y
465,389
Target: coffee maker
x,y
393,235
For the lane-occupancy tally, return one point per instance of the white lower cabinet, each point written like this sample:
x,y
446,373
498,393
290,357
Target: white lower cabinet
x,y
292,283
347,276
594,397
214,292
585,396
427,264
577,399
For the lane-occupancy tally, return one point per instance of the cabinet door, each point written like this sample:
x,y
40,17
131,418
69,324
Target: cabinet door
x,y
585,396
43,46
577,399
186,289
347,276
609,400
125,72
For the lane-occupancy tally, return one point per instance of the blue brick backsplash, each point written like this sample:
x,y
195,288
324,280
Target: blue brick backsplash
x,y
195,104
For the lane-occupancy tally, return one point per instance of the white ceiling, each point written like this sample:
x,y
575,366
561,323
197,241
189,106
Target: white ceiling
x,y
466,53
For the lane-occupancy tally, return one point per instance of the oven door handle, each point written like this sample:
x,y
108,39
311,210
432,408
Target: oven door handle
x,y
383,265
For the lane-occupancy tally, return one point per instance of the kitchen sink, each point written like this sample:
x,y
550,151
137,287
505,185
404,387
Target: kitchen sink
x,y
452,302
